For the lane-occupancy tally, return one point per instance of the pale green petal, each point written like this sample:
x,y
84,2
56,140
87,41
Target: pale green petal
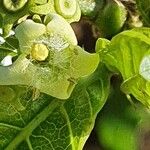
x,y
23,72
85,63
65,65
59,26
57,79
27,32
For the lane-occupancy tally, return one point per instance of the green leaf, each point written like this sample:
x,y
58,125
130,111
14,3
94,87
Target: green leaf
x,y
144,9
143,30
124,54
9,47
101,44
49,123
120,125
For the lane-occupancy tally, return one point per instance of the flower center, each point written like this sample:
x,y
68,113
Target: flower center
x,y
39,52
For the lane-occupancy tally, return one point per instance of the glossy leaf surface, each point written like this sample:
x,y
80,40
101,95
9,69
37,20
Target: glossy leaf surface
x,y
124,55
48,123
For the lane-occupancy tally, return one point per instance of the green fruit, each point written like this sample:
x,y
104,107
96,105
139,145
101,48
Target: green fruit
x,y
14,5
66,8
111,18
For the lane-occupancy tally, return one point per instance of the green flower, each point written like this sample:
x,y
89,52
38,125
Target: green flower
x,y
49,59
